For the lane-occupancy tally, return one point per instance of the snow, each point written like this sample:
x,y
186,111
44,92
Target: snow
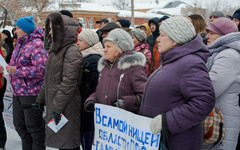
x,y
127,14
82,6
14,141
9,28
169,11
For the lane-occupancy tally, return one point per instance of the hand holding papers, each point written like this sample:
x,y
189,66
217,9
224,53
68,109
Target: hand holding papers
x,y
57,127
3,64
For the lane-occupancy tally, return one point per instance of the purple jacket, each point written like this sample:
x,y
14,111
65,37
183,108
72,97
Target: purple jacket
x,y
181,90
30,59
125,79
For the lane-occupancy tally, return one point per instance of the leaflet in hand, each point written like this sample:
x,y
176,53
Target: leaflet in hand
x,y
3,64
56,128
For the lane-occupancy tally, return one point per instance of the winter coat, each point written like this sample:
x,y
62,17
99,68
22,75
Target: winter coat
x,y
151,40
124,79
91,57
182,92
156,62
225,77
29,57
144,48
60,90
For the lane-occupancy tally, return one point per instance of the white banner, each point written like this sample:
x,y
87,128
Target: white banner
x,y
118,129
7,101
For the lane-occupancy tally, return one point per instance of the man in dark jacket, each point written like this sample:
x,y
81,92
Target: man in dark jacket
x,y
101,23
106,29
151,40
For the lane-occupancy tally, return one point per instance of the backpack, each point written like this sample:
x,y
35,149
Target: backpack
x,y
213,128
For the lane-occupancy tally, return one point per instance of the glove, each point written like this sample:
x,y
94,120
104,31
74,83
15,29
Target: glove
x,y
89,106
56,117
119,103
156,124
36,106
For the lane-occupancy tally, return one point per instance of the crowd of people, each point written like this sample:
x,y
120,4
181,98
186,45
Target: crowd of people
x,y
173,69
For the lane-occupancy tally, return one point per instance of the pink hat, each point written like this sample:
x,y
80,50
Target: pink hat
x,y
222,26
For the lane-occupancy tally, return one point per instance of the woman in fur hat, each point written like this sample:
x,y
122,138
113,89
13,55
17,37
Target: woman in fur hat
x,y
60,90
122,76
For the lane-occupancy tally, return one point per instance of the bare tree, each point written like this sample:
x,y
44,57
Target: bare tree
x,y
204,8
120,4
15,9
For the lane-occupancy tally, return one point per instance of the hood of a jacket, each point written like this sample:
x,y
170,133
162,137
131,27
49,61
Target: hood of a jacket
x,y
125,60
148,31
195,46
64,31
155,20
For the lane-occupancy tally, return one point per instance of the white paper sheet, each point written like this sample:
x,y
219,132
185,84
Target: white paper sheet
x,y
4,64
56,128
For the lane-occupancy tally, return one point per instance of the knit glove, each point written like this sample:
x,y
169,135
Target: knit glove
x,y
119,103
156,124
89,106
56,117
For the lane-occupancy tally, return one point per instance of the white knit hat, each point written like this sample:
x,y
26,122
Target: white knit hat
x,y
121,38
179,29
89,36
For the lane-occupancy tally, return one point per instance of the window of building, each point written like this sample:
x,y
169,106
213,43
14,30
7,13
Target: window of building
x,y
91,26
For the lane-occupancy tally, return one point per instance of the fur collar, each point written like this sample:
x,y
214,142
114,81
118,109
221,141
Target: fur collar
x,y
125,61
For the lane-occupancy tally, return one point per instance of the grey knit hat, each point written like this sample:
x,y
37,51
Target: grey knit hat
x,y
89,36
121,38
139,34
217,14
179,29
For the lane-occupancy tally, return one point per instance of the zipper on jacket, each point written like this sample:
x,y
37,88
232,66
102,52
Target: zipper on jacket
x,y
121,77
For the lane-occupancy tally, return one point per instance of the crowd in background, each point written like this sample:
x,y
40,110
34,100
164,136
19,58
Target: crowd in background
x,y
173,69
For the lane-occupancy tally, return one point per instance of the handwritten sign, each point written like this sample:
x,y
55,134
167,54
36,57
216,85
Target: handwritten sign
x,y
117,129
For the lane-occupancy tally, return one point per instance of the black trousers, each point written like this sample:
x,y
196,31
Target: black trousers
x,y
29,124
3,134
77,148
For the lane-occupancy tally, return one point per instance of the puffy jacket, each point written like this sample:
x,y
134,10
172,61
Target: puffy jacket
x,y
29,57
60,90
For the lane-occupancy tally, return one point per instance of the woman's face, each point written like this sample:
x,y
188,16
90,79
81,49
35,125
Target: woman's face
x,y
110,51
135,41
50,29
20,33
165,43
211,37
236,21
82,44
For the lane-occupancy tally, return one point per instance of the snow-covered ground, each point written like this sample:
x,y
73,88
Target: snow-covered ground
x,y
14,141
